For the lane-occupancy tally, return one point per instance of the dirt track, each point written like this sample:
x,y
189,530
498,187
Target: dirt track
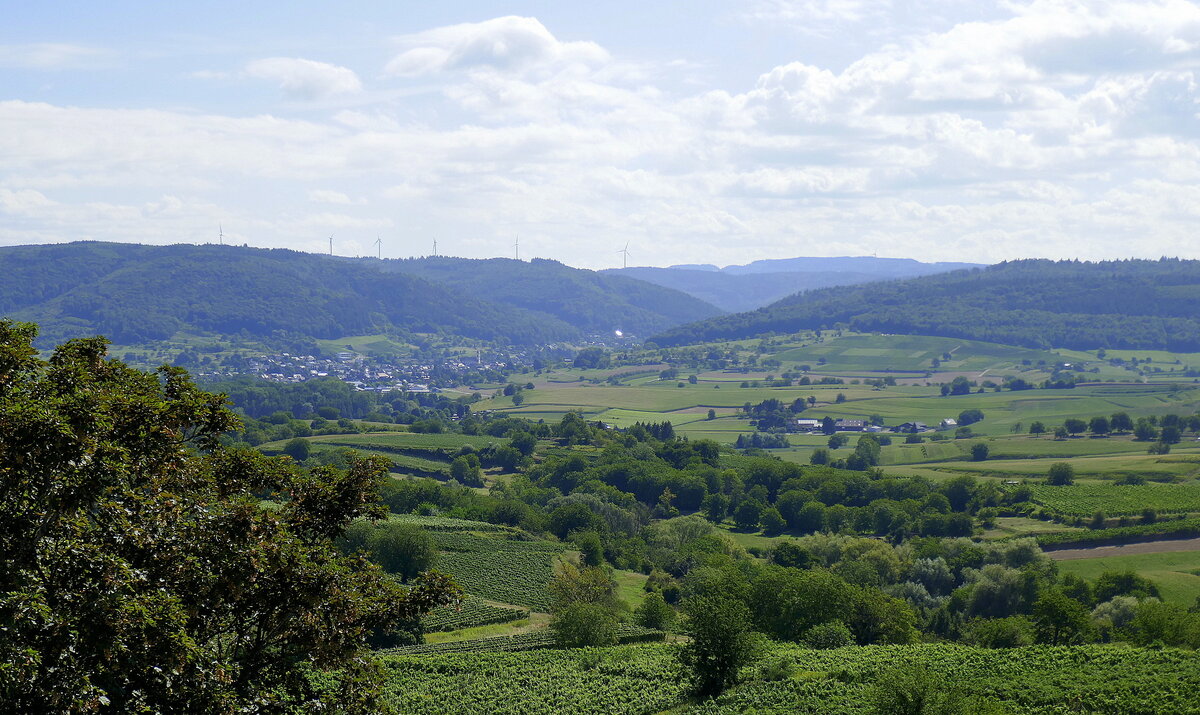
x,y
1145,547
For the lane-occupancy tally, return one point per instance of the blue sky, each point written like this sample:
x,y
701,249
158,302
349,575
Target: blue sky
x,y
716,132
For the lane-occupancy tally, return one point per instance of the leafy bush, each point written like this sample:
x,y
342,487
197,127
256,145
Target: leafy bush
x,y
833,634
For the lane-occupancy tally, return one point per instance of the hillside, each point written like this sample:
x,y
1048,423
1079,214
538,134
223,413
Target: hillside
x,y
1133,304
750,286
134,293
593,302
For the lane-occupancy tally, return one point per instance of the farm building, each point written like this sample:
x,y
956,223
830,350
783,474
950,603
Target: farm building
x,y
849,425
808,425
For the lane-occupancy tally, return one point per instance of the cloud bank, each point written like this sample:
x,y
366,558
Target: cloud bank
x,y
1056,129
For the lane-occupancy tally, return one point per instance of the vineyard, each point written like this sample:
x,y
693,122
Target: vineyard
x,y
502,573
472,612
645,679
443,523
1118,500
537,640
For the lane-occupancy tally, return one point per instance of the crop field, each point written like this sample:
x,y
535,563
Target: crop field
x,y
1177,573
1007,526
442,523
409,440
1172,467
536,640
910,353
402,463
515,572
646,398
1118,500
473,611
645,679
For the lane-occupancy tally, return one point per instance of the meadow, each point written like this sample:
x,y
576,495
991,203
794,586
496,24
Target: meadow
x,y
1177,573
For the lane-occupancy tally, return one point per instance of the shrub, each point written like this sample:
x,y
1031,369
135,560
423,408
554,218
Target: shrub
x,y
833,634
584,624
1061,474
653,612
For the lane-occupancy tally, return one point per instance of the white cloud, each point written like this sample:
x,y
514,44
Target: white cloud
x,y
505,43
983,139
325,196
52,56
305,79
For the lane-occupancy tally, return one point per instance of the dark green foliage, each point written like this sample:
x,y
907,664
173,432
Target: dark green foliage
x,y
584,624
970,417
1061,620
1123,583
140,293
1061,474
915,690
1011,632
979,451
297,449
653,612
832,634
772,523
721,642
137,569
1033,303
589,301
401,549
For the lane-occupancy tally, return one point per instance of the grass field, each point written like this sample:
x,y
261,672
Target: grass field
x,y
1176,573
411,440
641,396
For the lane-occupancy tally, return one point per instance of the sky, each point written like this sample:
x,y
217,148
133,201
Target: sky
x,y
693,132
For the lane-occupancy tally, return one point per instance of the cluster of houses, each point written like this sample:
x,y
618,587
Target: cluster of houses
x,y
849,425
359,371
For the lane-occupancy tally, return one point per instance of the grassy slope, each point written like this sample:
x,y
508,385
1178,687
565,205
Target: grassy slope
x,y
1177,573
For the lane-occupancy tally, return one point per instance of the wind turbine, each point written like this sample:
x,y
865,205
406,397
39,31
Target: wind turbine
x,y
435,247
331,244
378,247
624,255
221,234
517,247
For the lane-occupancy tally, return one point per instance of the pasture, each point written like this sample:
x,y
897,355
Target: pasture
x,y
1177,573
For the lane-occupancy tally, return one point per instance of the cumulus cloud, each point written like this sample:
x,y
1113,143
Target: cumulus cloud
x,y
504,43
980,139
305,79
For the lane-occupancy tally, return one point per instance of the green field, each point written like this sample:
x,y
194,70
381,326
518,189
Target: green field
x,y
409,440
1177,573
641,396
858,353
1118,500
645,679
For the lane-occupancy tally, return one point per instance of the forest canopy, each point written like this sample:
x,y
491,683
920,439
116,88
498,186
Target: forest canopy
x,y
1032,303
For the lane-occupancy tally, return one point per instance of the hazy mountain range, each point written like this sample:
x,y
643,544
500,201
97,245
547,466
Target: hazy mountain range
x,y
750,286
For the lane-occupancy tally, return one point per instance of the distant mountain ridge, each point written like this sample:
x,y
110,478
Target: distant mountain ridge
x,y
137,293
754,285
594,302
1035,303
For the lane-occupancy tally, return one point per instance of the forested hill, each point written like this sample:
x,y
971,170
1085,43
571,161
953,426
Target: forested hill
x,y
1036,303
133,293
739,292
591,301
750,286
